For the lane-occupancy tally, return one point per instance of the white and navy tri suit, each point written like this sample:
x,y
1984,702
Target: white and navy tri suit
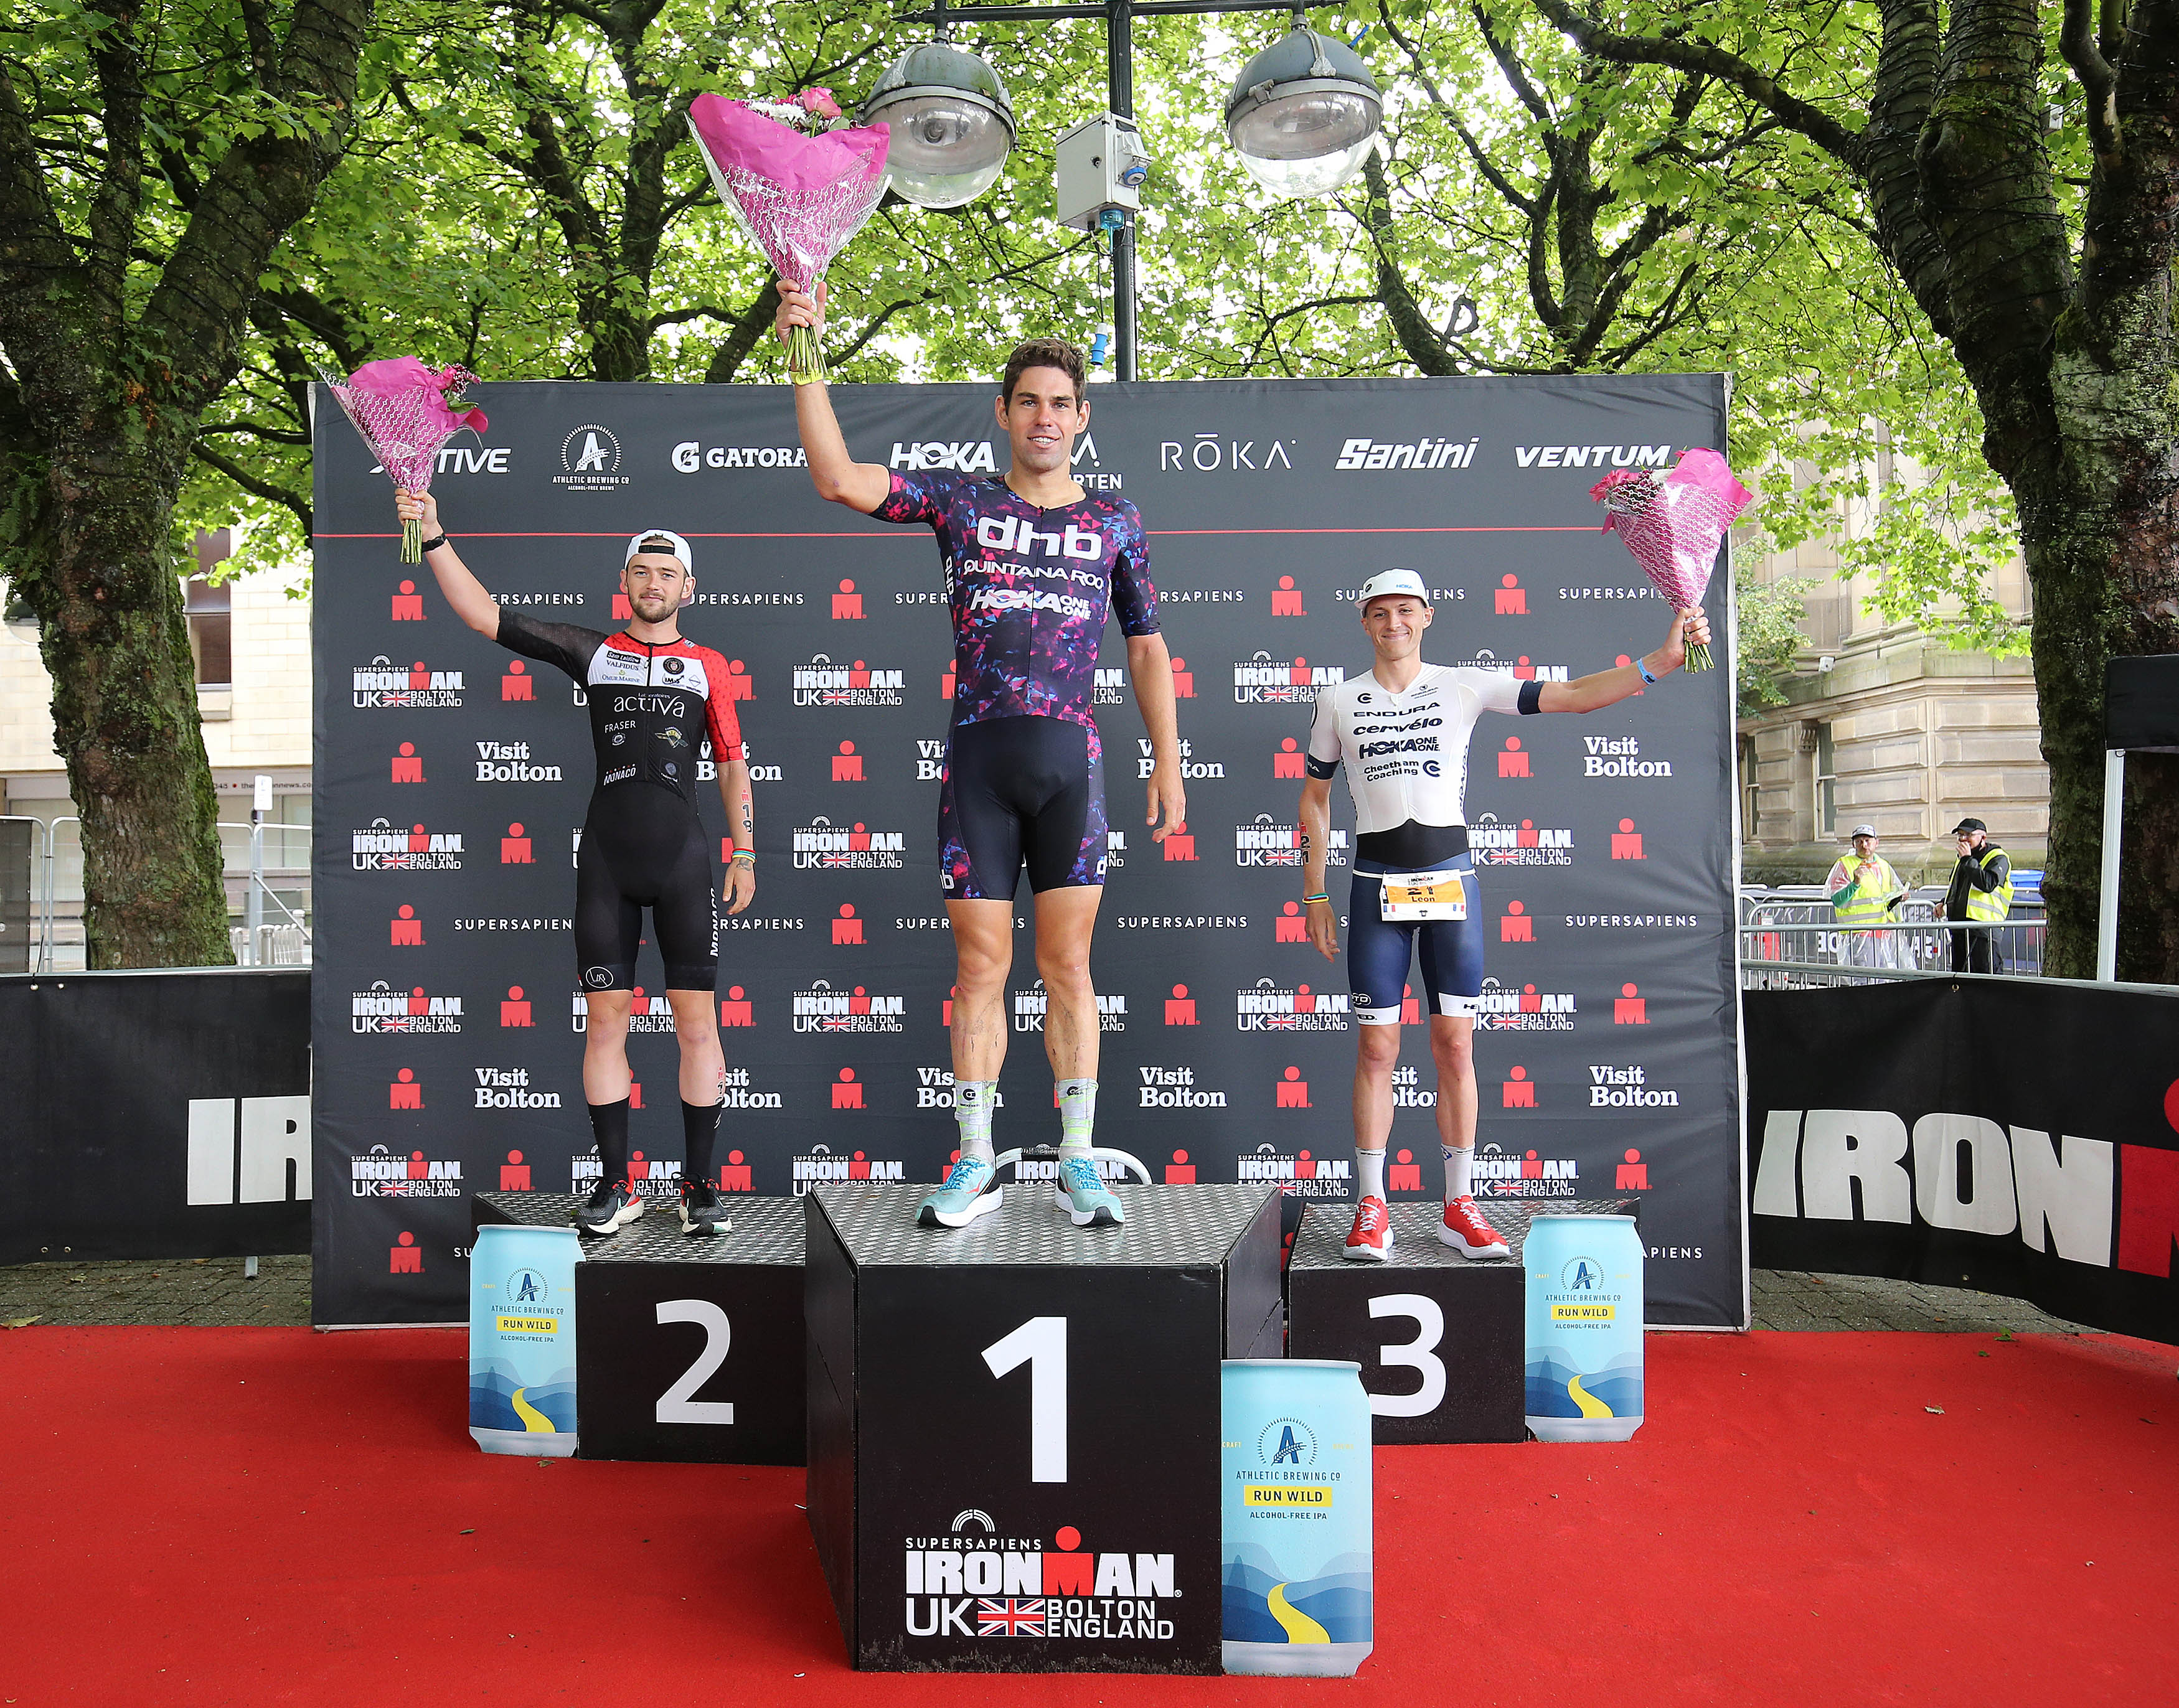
x,y
1030,590
1406,755
643,845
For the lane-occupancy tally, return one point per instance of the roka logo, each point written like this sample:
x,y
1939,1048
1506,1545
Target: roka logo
x,y
1209,454
379,685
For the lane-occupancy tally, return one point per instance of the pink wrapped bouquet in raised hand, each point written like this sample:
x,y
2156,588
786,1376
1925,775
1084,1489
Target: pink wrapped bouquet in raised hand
x,y
405,413
800,190
1673,526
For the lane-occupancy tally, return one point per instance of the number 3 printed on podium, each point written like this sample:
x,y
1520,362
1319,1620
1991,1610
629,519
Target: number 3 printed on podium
x,y
674,1405
1040,1343
1419,1353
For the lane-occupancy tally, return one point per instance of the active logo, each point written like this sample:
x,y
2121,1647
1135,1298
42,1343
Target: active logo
x,y
820,682
384,1173
383,848
382,1009
590,460
381,686
1270,1006
821,846
1367,453
1263,681
821,1008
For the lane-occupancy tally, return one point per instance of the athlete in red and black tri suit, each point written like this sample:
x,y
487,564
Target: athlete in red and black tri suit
x,y
1034,567
655,699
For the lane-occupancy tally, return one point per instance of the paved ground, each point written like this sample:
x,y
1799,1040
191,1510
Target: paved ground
x,y
214,1291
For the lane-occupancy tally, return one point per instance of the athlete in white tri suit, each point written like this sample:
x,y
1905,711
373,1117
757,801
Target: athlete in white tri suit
x,y
1401,732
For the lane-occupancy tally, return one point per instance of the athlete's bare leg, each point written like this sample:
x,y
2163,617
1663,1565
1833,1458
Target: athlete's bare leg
x,y
606,1075
703,1063
1065,918
1452,1047
982,955
1377,1053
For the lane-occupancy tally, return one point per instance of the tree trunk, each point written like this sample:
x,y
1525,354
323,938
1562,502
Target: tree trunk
x,y
116,643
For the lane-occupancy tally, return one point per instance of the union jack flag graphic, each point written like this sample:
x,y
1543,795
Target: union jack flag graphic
x,y
1009,1618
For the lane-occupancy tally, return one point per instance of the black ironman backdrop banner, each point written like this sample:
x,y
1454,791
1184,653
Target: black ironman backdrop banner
x,y
452,777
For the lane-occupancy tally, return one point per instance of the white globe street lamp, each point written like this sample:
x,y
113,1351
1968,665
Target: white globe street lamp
x,y
1304,114
951,121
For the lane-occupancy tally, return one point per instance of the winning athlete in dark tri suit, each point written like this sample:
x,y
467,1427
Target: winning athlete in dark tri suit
x,y
1401,730
1034,566
655,699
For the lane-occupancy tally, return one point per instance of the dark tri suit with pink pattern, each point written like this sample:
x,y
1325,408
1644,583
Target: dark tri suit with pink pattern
x,y
1029,591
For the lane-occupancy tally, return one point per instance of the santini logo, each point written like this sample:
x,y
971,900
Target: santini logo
x,y
1593,456
1423,453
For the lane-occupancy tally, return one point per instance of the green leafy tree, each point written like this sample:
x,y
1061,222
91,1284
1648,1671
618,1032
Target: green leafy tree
x,y
151,158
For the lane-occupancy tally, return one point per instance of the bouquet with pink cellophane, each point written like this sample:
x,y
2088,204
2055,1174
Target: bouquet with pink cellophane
x,y
800,190
405,411
1673,526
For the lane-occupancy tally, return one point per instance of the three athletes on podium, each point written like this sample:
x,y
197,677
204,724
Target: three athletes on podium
x,y
1033,566
650,693
1402,730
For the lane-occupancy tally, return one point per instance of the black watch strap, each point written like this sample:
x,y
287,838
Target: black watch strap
x,y
434,543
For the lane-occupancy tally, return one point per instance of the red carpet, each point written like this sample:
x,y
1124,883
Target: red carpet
x,y
268,1515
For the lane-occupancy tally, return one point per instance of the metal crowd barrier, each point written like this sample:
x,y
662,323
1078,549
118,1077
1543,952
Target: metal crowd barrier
x,y
1791,941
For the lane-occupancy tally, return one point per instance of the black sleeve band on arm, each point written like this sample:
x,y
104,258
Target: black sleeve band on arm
x,y
1532,698
1322,769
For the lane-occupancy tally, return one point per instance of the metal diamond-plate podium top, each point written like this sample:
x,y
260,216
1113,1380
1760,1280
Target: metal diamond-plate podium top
x,y
765,1230
1168,1227
1415,1244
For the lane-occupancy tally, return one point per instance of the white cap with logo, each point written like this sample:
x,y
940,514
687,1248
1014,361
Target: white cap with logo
x,y
1389,582
680,547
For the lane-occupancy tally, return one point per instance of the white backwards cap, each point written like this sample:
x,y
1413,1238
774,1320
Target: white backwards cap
x,y
680,547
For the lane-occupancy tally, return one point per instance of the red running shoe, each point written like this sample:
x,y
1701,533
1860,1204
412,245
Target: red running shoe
x,y
1464,1229
1370,1240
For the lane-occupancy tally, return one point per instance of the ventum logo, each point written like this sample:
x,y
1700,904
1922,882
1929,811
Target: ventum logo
x,y
380,684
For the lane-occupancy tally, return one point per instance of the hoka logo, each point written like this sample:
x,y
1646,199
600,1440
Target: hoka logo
x,y
966,456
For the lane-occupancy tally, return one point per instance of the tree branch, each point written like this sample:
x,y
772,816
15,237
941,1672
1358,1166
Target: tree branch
x,y
1521,204
252,485
1516,76
733,350
2099,82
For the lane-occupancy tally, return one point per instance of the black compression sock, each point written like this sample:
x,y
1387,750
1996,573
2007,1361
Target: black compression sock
x,y
609,1126
701,1127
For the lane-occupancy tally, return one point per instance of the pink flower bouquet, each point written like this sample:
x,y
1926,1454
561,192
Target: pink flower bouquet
x,y
1673,526
405,411
801,191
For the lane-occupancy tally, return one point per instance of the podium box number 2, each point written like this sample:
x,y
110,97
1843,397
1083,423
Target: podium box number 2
x,y
1014,1426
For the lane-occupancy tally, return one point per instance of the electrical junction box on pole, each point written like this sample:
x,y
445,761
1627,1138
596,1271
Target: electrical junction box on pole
x,y
1099,165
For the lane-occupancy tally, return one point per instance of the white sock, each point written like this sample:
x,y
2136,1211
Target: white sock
x,y
1369,1173
972,1114
1078,1112
1459,1164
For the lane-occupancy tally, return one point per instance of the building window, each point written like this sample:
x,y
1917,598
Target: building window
x,y
1826,783
210,610
1751,794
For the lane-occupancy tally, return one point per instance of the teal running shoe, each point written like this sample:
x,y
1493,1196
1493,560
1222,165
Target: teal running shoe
x,y
1080,1192
972,1189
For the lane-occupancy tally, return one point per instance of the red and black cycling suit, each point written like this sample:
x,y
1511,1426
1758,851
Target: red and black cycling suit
x,y
643,844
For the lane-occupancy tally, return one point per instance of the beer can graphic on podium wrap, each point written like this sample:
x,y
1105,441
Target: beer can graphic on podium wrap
x,y
1296,1564
521,1340
1584,1327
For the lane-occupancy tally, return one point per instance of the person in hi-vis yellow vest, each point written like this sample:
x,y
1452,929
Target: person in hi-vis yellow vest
x,y
1865,892
1981,889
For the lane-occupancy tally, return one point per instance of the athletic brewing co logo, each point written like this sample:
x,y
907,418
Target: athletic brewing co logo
x,y
820,682
1525,1009
819,846
976,1583
820,1166
1525,844
509,1088
1269,1007
1266,843
1423,453
1263,681
590,460
822,1008
1620,756
1030,1006
380,684
509,762
1528,1175
383,848
1301,1174
387,1175
383,1010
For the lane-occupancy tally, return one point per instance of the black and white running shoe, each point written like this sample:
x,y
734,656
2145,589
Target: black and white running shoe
x,y
703,1212
609,1209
